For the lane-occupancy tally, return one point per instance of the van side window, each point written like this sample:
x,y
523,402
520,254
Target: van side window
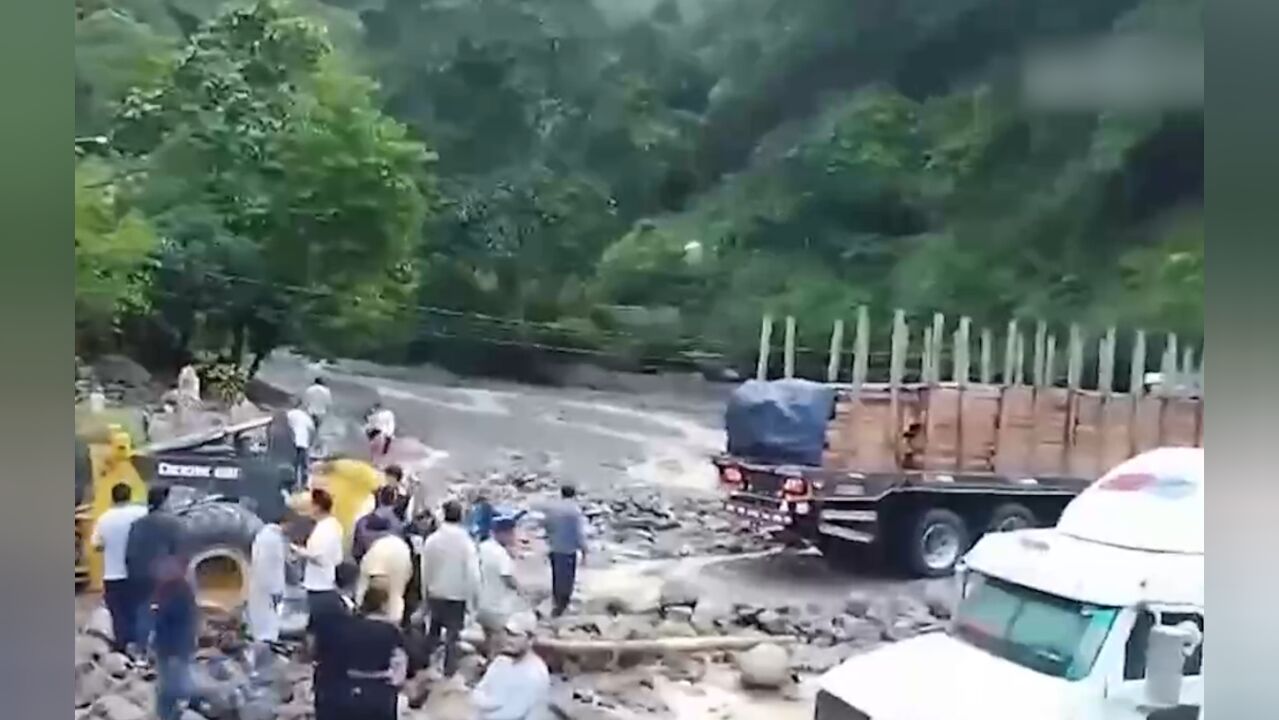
x,y
1135,648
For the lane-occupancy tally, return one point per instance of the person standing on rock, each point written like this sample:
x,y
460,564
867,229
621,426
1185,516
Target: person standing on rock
x,y
499,592
153,538
316,400
380,431
176,624
481,517
388,566
566,540
450,580
516,685
110,537
302,429
322,553
266,587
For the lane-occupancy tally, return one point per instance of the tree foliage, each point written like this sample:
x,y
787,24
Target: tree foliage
x,y
703,159
287,201
113,246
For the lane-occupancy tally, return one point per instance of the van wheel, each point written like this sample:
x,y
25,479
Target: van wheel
x,y
1011,516
936,543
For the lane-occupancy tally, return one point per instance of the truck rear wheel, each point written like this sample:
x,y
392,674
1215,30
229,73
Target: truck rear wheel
x,y
936,542
1011,516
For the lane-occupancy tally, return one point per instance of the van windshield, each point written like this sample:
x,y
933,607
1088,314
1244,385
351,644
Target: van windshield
x,y
1045,633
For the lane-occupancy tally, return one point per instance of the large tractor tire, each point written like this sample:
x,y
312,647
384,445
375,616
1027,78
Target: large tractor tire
x,y
218,540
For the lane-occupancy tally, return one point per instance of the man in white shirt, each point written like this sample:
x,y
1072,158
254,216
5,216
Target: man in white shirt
x,y
380,431
303,429
499,593
517,684
266,590
323,554
111,537
316,400
450,580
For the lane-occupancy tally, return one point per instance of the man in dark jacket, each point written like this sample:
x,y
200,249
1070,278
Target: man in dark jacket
x,y
153,539
175,637
362,537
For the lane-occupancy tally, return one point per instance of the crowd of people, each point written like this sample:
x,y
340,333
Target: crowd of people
x,y
152,605
386,591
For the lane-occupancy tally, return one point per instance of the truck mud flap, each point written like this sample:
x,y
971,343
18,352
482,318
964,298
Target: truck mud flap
x,y
845,533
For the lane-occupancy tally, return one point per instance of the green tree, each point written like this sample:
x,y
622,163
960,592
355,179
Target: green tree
x,y
289,204
113,246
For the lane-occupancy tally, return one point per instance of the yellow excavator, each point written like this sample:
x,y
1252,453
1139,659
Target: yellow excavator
x,y
219,480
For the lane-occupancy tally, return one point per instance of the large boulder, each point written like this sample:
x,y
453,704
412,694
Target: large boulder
x,y
679,589
858,603
765,666
116,664
621,594
90,685
709,616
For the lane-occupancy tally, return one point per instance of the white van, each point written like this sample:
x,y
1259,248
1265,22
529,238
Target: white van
x,y
1098,618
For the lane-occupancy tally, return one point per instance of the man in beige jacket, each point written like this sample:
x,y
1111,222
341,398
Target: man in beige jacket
x,y
387,564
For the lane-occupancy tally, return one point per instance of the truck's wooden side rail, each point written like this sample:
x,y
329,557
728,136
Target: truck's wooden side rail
x,y
1068,421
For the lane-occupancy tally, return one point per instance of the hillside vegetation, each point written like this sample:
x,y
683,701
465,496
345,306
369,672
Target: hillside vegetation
x,y
481,182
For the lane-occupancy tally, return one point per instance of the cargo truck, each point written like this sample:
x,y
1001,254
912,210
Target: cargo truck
x,y
1098,618
913,473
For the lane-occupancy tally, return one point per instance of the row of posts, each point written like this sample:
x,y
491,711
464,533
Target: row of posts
x,y
1180,371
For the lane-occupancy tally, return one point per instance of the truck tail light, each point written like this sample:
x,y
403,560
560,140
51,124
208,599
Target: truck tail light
x,y
731,476
795,488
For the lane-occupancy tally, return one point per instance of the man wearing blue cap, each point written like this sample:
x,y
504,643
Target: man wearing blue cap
x,y
499,592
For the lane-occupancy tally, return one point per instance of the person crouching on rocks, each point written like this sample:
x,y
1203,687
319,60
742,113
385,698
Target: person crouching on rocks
x,y
517,684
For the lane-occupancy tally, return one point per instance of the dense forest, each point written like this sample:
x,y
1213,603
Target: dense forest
x,y
480,182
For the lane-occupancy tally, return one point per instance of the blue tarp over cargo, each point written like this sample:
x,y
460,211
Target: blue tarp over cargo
x,y
779,421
